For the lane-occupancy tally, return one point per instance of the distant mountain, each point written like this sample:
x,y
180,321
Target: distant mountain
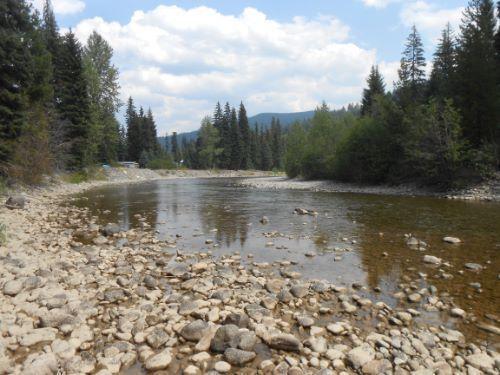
x,y
264,120
286,119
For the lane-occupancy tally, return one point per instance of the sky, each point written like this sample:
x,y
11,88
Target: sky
x,y
181,57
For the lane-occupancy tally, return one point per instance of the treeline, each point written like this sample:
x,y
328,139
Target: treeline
x,y
227,141
442,130
140,141
58,98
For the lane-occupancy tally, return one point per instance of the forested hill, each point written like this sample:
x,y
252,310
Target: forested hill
x,y
264,120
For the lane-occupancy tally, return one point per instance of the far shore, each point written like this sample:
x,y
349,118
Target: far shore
x,y
489,191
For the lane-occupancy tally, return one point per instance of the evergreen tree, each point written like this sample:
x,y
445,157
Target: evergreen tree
x,y
478,72
133,131
276,144
376,86
225,133
411,72
174,146
207,144
444,66
235,142
266,157
73,105
254,147
103,89
53,43
15,60
244,127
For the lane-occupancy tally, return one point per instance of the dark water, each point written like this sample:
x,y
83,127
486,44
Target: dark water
x,y
368,225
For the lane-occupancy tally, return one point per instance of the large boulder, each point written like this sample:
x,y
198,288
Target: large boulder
x,y
15,202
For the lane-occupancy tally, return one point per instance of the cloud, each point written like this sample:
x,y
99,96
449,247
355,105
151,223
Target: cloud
x,y
62,7
379,3
429,18
182,61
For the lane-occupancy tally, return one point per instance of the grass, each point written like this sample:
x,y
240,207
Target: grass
x,y
88,174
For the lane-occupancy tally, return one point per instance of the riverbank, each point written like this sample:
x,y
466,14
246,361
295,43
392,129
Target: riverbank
x,y
123,301
487,191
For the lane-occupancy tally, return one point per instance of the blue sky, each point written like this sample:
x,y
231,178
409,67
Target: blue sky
x,y
180,57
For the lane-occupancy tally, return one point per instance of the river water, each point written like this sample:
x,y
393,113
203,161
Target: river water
x,y
356,237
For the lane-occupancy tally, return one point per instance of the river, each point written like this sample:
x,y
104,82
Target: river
x,y
355,238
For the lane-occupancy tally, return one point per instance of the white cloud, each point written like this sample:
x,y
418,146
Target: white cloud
x,y
62,6
182,61
379,3
429,18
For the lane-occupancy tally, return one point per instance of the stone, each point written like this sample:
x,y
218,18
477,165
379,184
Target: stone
x,y
377,366
194,331
489,328
201,357
159,361
63,349
157,338
240,320
37,336
114,294
305,321
285,341
13,287
429,259
238,357
82,333
177,269
188,307
453,240
458,313
318,344
247,340
284,296
222,367
191,370
264,220
473,266
33,282
46,363
481,361
15,202
299,291
414,297
335,328
110,229
150,282
225,337
256,312
360,355
274,285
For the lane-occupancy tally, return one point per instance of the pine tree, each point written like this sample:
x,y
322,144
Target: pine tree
x,y
15,60
53,43
246,159
478,71
175,147
235,142
225,133
266,157
73,105
103,88
443,73
411,72
133,131
255,149
276,144
376,86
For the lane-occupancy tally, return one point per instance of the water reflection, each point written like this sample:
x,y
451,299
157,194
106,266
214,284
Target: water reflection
x,y
374,227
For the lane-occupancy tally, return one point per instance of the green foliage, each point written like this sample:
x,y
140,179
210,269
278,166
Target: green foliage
x,y
161,162
376,86
295,150
84,175
207,144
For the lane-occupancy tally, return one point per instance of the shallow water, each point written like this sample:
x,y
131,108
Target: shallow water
x,y
367,225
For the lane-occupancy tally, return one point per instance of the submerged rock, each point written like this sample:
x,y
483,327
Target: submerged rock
x,y
453,240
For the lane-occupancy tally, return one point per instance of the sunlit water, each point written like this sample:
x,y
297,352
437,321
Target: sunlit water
x,y
201,209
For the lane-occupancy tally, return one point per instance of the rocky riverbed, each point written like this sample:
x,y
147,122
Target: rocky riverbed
x,y
485,191
78,297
